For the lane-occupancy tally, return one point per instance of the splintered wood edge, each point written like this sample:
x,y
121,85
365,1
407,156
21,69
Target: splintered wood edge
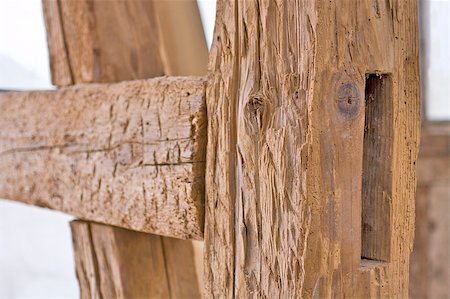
x,y
130,154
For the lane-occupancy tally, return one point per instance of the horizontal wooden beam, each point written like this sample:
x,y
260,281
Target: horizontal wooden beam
x,y
130,154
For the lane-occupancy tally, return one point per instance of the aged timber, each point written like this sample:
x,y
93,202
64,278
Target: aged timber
x,y
114,262
107,41
130,154
111,41
313,130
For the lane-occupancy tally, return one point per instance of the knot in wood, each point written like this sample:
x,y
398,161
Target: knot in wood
x,y
348,99
254,114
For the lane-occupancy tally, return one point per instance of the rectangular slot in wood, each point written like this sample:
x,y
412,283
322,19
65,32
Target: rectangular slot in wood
x,y
377,170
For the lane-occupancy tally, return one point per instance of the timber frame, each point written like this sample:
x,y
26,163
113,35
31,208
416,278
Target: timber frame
x,y
293,159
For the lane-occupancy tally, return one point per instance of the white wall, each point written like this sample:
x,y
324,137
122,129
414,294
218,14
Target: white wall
x,y
436,58
208,14
36,259
23,47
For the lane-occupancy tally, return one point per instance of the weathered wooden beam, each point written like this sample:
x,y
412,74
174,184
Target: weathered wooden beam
x,y
117,263
130,154
89,30
57,47
302,95
106,41
170,35
111,41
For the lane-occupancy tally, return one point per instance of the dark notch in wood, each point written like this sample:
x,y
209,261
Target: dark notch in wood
x,y
377,169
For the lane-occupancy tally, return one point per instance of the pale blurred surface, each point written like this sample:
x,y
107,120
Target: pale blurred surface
x,y
436,58
36,259
23,46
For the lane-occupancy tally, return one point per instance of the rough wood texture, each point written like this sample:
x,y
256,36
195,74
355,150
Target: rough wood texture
x,y
121,40
129,154
117,263
430,260
286,117
111,41
133,39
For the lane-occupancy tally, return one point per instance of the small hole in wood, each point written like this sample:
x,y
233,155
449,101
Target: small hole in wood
x,y
377,170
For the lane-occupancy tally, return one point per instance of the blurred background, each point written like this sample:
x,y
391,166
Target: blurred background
x,y
36,258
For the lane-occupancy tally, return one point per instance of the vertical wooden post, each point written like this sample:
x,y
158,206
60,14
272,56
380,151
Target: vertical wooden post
x,y
313,114
114,262
104,41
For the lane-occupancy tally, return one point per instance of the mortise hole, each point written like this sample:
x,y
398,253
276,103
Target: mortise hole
x,y
377,173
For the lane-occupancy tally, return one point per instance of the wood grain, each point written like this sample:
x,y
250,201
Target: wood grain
x,y
117,263
121,40
221,95
85,260
286,106
112,41
59,62
105,44
129,154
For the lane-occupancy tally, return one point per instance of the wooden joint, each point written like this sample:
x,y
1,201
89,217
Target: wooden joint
x,y
129,154
377,169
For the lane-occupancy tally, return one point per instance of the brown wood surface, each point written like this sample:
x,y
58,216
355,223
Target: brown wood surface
x,y
108,41
286,113
430,260
57,48
105,41
129,154
111,41
117,263
182,41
